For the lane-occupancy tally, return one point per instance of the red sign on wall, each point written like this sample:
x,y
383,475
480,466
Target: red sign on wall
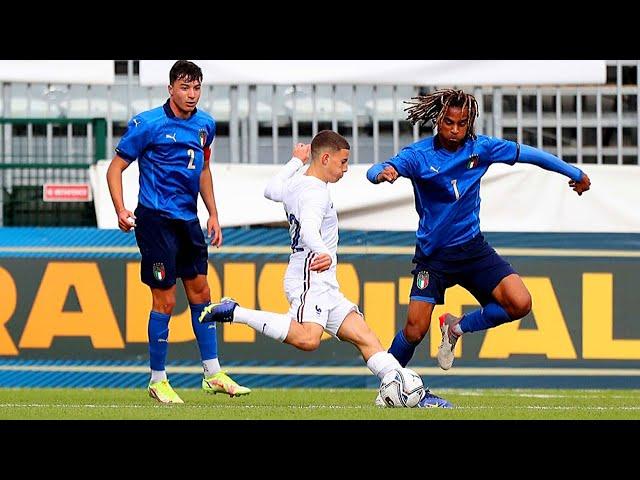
x,y
66,192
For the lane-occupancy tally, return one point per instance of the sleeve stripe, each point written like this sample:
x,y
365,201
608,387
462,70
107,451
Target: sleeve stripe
x,y
125,155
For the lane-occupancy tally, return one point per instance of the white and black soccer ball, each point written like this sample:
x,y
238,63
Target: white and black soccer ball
x,y
401,388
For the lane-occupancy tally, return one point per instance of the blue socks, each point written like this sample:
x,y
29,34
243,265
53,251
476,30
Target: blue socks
x,y
158,331
402,349
205,333
491,315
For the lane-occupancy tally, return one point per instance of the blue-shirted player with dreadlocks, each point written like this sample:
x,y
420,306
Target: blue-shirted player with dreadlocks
x,y
445,171
172,144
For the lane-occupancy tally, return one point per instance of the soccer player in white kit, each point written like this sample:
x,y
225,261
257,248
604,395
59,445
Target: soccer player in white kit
x,y
310,283
316,302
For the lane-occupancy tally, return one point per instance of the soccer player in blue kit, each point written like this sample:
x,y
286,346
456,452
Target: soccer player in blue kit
x,y
172,144
445,171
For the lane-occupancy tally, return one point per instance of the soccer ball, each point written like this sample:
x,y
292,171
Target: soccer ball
x,y
401,388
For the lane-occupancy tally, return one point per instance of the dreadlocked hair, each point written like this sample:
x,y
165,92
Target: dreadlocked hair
x,y
434,105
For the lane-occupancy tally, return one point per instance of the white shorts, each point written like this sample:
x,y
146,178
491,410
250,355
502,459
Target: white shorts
x,y
319,304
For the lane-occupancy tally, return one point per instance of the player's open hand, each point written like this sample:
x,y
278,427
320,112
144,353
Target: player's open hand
x,y
302,151
320,262
582,186
389,174
214,231
126,220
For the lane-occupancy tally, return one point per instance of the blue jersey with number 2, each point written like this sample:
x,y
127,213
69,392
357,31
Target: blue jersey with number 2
x,y
170,154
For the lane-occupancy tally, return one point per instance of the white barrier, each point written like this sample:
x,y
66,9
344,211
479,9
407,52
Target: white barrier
x,y
522,198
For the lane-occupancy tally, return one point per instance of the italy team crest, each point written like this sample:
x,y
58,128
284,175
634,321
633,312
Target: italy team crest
x,y
473,161
158,271
422,280
203,136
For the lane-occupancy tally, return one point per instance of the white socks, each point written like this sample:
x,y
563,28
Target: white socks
x,y
210,367
158,375
274,325
382,363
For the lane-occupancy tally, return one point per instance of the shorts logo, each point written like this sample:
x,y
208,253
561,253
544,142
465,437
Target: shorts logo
x,y
158,271
318,310
422,280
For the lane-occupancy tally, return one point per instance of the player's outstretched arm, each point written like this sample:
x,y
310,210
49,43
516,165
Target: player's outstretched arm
x,y
275,187
579,180
404,164
382,172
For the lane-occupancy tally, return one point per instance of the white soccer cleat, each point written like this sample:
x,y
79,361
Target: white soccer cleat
x,y
449,340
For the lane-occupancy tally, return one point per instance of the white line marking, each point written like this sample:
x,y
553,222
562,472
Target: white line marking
x,y
426,371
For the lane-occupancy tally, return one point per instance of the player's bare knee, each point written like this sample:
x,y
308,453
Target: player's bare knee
x,y
202,295
165,306
414,333
308,343
204,292
520,307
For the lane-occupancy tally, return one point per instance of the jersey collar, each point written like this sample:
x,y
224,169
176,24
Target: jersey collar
x,y
169,112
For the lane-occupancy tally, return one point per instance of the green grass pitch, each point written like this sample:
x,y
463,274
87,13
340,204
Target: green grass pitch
x,y
317,404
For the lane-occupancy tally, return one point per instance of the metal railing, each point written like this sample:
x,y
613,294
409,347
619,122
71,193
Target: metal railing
x,y
47,150
259,123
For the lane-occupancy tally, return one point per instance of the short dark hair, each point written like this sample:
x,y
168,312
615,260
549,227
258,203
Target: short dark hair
x,y
328,139
185,70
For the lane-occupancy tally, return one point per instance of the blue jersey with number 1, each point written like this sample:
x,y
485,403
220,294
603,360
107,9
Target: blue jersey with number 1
x,y
170,153
446,184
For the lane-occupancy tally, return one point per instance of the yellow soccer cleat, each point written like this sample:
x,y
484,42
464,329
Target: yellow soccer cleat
x,y
163,392
222,383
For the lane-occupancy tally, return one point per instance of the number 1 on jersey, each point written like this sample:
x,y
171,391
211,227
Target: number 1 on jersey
x,y
454,183
192,156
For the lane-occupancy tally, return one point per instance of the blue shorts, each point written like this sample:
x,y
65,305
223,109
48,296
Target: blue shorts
x,y
170,248
474,265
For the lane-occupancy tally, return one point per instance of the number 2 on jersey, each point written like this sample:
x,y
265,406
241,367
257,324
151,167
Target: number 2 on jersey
x,y
192,156
294,231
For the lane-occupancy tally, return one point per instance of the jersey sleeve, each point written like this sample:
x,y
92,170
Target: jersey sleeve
x,y
135,140
313,204
550,162
275,186
405,162
498,150
211,134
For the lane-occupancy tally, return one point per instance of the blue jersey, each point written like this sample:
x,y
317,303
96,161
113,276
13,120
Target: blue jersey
x,y
446,184
170,152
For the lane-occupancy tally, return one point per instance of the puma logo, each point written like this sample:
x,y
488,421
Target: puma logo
x,y
437,170
172,137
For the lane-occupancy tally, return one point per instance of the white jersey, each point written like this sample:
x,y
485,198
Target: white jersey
x,y
313,221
